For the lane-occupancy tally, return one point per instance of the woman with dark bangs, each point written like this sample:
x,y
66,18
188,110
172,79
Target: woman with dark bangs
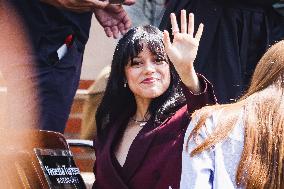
x,y
240,145
143,116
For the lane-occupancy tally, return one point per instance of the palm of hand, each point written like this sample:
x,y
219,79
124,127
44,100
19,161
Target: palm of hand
x,y
113,19
110,16
183,49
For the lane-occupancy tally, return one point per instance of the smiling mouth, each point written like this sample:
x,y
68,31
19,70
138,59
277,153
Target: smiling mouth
x,y
149,80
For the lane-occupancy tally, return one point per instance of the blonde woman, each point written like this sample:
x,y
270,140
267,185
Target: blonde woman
x,y
240,145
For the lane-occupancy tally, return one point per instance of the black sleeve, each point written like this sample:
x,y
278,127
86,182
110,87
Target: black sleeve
x,y
255,2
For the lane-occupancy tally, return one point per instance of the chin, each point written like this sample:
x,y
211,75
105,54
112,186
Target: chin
x,y
151,94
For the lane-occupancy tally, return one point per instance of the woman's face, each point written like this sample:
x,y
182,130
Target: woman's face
x,y
147,76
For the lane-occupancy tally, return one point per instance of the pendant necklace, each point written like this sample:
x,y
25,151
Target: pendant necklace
x,y
142,122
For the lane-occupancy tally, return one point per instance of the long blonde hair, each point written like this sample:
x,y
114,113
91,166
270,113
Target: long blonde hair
x,y
262,161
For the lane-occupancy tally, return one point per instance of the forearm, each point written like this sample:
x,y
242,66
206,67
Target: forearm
x,y
189,77
77,5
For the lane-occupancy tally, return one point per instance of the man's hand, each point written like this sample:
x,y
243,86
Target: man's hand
x,y
78,5
114,20
128,2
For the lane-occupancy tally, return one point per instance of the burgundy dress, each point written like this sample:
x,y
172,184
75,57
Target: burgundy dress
x,y
154,157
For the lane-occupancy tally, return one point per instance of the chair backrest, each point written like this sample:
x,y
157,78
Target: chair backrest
x,y
20,166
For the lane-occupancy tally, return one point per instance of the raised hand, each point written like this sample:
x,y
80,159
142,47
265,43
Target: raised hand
x,y
183,50
114,20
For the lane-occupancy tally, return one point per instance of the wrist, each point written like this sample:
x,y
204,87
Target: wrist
x,y
184,68
190,79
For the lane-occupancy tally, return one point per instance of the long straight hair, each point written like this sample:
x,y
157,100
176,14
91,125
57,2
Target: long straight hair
x,y
262,161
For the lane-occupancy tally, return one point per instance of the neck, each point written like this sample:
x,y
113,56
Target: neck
x,y
142,109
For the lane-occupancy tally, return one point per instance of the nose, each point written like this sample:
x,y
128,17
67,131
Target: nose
x,y
149,67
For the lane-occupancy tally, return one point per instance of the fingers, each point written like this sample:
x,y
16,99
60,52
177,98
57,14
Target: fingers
x,y
185,28
121,28
175,28
183,24
199,32
115,32
124,25
190,29
129,2
166,39
99,4
108,31
127,23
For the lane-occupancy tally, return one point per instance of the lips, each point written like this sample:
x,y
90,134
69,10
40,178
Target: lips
x,y
149,80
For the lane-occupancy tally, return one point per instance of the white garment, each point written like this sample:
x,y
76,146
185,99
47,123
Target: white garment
x,y
215,168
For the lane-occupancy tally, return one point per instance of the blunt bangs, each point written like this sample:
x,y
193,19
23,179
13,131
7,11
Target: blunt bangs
x,y
141,37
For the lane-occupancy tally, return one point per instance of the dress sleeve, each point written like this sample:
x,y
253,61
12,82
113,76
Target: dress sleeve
x,y
197,171
197,101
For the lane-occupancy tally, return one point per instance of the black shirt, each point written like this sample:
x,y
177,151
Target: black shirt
x,y
49,26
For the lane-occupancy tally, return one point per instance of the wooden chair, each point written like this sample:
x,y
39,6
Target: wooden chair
x,y
84,156
20,167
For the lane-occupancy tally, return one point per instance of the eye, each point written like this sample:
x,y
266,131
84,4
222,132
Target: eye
x,y
136,63
160,61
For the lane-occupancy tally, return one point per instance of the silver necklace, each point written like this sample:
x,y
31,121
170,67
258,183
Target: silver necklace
x,y
140,123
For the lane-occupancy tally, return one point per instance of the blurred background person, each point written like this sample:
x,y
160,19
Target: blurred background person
x,y
240,145
58,32
18,91
18,98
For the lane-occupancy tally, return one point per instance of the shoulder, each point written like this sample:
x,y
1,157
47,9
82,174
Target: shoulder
x,y
210,123
178,121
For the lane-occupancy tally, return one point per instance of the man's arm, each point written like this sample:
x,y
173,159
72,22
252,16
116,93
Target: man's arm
x,y
112,18
78,5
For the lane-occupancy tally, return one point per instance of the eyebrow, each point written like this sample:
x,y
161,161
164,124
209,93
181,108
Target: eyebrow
x,y
136,57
